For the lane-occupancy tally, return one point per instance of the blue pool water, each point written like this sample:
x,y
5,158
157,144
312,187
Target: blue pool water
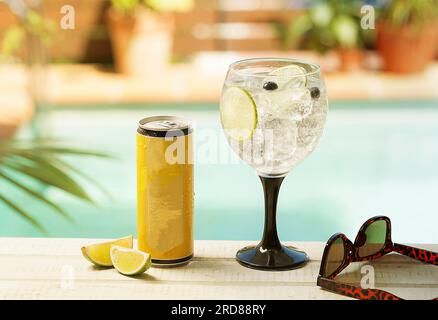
x,y
374,158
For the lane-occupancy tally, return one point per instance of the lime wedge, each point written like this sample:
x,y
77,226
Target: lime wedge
x,y
129,261
99,253
238,113
288,77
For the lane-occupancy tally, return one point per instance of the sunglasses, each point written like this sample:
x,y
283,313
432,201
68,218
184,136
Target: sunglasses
x,y
373,241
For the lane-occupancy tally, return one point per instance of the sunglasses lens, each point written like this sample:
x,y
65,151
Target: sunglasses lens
x,y
375,238
335,257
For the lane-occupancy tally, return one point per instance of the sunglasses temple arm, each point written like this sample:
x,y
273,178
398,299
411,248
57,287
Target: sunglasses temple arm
x,y
354,291
423,255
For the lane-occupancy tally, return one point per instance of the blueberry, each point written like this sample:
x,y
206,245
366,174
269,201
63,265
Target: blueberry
x,y
315,93
270,85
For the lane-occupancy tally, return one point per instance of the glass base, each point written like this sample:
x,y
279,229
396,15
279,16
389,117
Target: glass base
x,y
283,258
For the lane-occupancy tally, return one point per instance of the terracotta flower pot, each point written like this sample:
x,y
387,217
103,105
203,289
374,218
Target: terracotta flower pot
x,y
406,49
141,44
7,130
350,59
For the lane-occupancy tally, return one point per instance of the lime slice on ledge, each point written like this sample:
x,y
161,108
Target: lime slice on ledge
x,y
99,253
129,261
288,77
238,113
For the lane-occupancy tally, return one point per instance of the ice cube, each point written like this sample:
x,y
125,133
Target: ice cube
x,y
293,104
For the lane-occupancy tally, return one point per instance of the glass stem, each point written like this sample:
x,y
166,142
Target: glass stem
x,y
271,188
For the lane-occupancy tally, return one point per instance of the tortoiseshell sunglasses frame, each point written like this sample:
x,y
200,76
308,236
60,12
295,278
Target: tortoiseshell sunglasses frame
x,y
351,254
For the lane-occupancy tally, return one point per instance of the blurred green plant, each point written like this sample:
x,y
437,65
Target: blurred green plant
x,y
127,7
32,24
22,163
326,25
410,12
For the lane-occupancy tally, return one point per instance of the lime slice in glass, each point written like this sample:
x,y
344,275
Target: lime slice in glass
x,y
99,253
288,77
129,261
238,113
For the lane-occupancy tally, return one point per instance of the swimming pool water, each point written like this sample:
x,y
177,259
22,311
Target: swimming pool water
x,y
372,159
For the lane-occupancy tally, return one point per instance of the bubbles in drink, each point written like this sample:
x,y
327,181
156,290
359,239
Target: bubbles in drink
x,y
280,136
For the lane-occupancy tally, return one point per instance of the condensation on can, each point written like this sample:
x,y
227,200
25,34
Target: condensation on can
x,y
165,189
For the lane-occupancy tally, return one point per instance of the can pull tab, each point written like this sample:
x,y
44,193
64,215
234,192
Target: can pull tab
x,y
169,124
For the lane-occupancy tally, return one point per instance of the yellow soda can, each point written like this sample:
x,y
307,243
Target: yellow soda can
x,y
165,189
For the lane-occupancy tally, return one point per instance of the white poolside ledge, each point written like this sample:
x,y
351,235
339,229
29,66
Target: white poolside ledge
x,y
53,268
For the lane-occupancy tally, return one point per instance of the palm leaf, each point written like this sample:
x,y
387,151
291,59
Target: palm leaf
x,y
85,176
47,154
40,160
23,213
36,195
44,171
23,149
